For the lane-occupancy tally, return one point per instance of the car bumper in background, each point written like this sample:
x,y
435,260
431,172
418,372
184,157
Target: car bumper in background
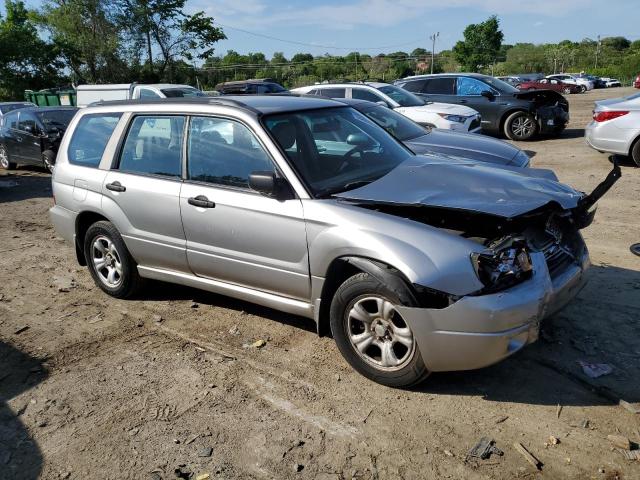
x,y
606,137
550,119
478,331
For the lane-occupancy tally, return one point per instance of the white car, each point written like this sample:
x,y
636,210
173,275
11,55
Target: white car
x,y
428,114
584,83
615,127
611,82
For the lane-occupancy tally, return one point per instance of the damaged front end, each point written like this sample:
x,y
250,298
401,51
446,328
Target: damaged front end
x,y
550,108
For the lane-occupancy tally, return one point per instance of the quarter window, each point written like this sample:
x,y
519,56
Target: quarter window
x,y
333,92
146,93
224,152
153,146
90,138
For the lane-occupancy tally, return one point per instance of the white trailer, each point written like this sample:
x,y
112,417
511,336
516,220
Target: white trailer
x,y
88,94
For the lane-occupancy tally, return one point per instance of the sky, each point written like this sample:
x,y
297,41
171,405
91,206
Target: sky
x,y
384,26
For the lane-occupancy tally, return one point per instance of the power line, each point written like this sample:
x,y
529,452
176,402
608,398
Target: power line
x,y
315,45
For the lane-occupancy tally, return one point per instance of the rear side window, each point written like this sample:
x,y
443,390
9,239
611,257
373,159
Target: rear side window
x,y
333,92
440,86
90,138
153,146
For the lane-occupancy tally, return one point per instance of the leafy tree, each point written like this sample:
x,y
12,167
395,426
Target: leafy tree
x,y
164,25
26,61
481,45
616,43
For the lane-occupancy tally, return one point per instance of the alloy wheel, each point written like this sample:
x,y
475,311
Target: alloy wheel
x,y
378,334
106,261
4,158
522,126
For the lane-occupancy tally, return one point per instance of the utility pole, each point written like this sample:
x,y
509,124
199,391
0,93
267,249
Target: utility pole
x,y
597,51
433,47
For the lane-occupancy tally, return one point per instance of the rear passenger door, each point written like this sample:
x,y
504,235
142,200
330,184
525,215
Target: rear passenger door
x,y
235,234
28,135
142,190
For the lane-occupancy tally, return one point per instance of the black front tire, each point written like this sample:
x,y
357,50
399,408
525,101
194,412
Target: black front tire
x,y
49,160
5,159
520,126
131,282
412,372
635,152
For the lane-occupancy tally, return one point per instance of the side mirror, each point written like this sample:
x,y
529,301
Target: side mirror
x,y
267,183
358,140
29,129
487,94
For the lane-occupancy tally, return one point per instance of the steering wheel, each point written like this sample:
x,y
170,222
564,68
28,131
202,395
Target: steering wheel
x,y
348,157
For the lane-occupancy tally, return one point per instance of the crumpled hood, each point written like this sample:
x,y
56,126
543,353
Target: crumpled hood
x,y
467,145
466,185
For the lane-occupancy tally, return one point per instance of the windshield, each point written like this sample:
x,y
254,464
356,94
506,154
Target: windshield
x,y
501,86
396,124
335,149
401,96
55,119
182,92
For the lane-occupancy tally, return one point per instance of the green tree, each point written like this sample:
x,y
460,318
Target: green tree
x,y
481,45
26,61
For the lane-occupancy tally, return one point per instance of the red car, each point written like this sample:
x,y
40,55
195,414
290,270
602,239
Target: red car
x,y
550,84
636,82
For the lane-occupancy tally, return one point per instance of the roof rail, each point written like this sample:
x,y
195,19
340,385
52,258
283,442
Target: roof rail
x,y
224,101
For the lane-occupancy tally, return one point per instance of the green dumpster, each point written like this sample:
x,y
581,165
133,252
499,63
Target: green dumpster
x,y
51,97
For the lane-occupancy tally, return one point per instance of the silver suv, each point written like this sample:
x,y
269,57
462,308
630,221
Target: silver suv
x,y
413,263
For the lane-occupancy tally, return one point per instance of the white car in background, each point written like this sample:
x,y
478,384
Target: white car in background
x,y
615,127
428,114
611,82
584,83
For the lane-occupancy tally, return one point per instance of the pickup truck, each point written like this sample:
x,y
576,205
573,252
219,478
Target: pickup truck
x,y
88,94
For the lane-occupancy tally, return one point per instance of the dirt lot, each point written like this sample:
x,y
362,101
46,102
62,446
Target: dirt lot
x,y
93,387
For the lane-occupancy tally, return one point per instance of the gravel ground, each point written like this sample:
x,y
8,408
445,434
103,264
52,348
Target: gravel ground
x,y
94,387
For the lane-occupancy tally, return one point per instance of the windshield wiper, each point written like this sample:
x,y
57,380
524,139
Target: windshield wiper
x,y
327,192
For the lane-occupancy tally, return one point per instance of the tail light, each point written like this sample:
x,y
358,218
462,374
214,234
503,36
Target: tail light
x,y
608,115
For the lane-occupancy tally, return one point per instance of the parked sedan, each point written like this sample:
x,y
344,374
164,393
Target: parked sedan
x,y
611,82
423,140
504,109
33,135
550,84
615,127
429,114
582,82
414,263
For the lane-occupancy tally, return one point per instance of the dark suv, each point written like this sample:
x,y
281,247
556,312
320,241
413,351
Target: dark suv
x,y
504,108
33,135
251,87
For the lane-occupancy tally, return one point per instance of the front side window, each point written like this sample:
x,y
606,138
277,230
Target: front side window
x,y
153,146
90,138
224,152
27,123
362,94
146,93
401,97
335,149
471,86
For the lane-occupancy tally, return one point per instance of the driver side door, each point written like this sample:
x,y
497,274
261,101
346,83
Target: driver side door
x,y
469,92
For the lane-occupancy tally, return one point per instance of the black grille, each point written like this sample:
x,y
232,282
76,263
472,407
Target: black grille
x,y
557,258
474,123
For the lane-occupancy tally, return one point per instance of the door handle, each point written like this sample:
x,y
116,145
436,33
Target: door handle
x,y
115,187
201,201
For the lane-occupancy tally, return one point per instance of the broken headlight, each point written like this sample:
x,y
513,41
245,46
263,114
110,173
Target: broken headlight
x,y
506,265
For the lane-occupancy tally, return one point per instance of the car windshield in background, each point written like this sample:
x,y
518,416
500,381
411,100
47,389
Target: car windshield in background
x,y
335,149
401,96
55,119
396,124
182,92
501,86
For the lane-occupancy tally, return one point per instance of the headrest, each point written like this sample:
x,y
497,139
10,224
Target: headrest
x,y
285,133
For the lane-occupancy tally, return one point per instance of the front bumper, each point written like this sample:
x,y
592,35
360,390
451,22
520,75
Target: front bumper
x,y
478,331
550,119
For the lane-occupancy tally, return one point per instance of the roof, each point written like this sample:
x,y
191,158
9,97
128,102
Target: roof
x,y
17,102
248,81
127,86
436,75
37,109
256,104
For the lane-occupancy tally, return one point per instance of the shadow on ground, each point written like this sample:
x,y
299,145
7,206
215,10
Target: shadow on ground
x,y
20,456
17,187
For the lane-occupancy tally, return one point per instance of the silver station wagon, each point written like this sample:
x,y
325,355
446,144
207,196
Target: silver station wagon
x,y
413,264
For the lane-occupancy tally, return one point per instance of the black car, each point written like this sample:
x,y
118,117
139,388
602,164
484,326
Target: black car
x,y
6,107
33,135
504,109
251,87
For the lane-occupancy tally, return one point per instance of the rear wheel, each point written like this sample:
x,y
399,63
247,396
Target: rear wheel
x,y
566,90
583,88
635,152
372,335
5,159
110,263
520,126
